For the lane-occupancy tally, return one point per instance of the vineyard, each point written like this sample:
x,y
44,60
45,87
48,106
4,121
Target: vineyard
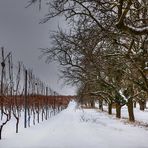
x,y
23,95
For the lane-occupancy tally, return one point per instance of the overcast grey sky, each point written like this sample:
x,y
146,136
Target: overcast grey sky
x,y
21,33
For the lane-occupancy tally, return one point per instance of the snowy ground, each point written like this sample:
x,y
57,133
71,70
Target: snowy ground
x,y
140,116
76,128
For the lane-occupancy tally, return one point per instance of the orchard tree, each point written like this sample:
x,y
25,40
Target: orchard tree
x,y
105,50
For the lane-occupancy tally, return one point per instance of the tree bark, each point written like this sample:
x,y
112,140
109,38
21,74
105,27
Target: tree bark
x,y
100,104
33,117
131,110
17,123
4,123
92,103
142,105
135,103
110,108
38,116
17,119
118,110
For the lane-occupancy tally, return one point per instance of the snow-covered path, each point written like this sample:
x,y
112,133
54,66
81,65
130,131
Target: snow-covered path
x,y
76,128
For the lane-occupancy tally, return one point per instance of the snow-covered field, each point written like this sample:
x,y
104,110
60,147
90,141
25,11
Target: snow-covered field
x,y
77,128
140,116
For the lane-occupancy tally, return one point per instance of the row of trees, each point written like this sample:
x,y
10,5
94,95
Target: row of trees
x,y
24,96
104,51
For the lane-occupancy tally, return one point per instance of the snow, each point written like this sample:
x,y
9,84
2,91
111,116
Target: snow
x,y
140,29
78,128
140,116
123,96
146,68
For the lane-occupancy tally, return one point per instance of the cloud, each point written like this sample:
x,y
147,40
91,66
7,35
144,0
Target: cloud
x,y
21,33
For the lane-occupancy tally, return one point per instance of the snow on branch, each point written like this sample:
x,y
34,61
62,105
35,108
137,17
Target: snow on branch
x,y
131,29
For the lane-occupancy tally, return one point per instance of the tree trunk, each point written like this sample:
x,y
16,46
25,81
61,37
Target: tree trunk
x,y
38,116
46,116
1,110
145,104
17,120
17,123
118,110
92,103
29,117
131,110
135,103
142,105
4,123
110,108
33,117
100,104
42,114
1,127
